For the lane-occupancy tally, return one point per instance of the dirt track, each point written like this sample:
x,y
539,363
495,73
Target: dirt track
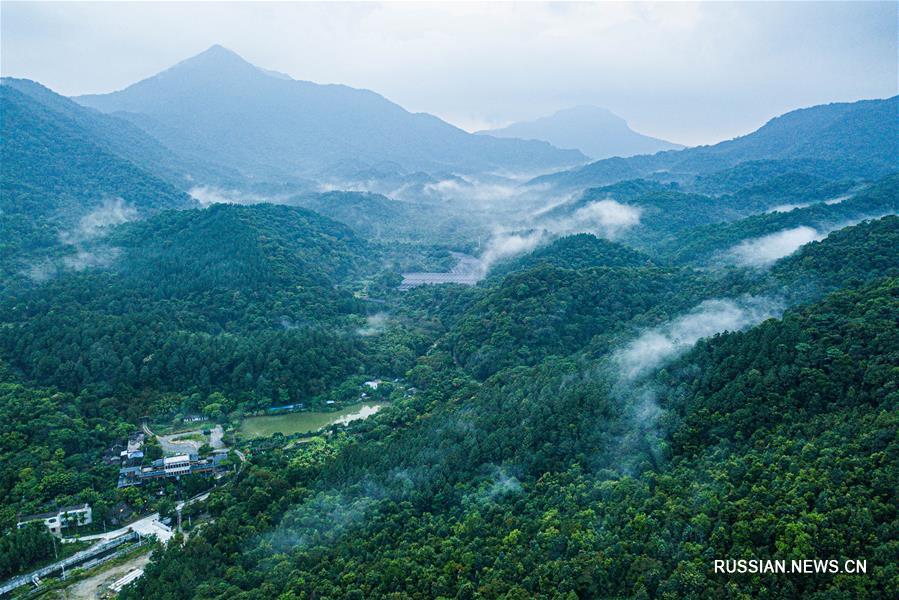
x,y
93,586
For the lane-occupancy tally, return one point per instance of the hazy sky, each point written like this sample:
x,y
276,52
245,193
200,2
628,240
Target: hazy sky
x,y
691,73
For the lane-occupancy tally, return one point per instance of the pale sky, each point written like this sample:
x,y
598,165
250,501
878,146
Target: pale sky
x,y
690,73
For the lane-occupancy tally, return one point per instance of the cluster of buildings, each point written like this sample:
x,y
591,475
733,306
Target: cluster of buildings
x,y
194,418
133,471
67,516
132,453
173,467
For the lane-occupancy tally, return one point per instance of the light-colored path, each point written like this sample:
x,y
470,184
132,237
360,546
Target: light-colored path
x,y
149,525
92,587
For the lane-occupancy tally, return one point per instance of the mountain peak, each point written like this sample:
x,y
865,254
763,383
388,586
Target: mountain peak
x,y
594,130
218,48
216,56
587,109
217,107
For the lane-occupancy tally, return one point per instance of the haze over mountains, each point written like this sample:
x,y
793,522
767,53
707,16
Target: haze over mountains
x,y
854,139
216,121
218,107
636,336
595,131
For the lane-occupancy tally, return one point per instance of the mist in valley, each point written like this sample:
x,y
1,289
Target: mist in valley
x,y
570,306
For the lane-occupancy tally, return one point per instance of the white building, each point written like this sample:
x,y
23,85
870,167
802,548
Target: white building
x,y
177,465
68,516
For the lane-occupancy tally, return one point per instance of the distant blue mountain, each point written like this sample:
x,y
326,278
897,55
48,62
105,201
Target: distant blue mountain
x,y
595,131
857,139
218,107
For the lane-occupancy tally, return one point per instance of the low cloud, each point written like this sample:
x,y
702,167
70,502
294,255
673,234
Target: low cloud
x,y
500,484
657,346
464,190
321,520
555,203
87,255
765,250
41,272
630,367
782,208
375,324
96,223
604,218
503,483
208,195
89,259
793,206
505,245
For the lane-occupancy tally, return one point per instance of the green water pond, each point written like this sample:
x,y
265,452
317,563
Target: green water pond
x,y
305,422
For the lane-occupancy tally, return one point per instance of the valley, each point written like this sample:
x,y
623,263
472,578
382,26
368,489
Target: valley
x,y
314,345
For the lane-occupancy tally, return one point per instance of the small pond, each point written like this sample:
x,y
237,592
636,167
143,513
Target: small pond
x,y
305,421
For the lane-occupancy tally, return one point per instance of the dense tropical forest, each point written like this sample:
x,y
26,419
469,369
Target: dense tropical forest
x,y
660,361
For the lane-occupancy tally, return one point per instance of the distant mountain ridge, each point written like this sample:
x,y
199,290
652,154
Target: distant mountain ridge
x,y
219,107
119,135
595,131
60,161
856,139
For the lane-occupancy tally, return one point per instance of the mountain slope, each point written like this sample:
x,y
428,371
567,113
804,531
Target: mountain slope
x,y
856,139
578,251
762,443
217,105
56,170
119,136
758,239
595,131
241,299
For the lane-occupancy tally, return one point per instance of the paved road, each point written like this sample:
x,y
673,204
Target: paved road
x,y
180,506
149,525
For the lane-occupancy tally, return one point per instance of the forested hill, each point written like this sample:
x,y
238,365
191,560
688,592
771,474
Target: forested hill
x,y
61,181
118,136
258,248
192,300
57,157
689,227
855,139
844,258
703,244
226,310
577,252
382,219
760,444
594,418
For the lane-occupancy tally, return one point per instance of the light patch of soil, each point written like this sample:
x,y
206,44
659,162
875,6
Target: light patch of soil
x,y
94,586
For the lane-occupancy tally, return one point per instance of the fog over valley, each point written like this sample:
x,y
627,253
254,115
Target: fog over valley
x,y
433,300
